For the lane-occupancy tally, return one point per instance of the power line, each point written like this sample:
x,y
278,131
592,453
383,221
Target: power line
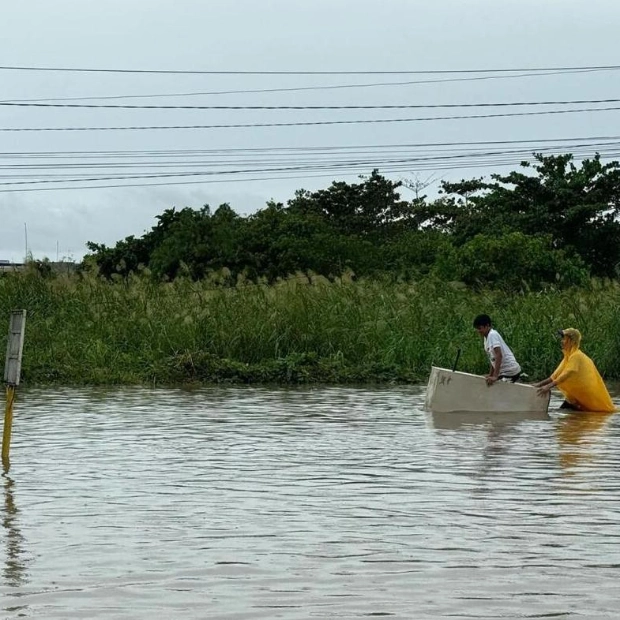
x,y
306,123
270,149
202,182
146,170
237,180
276,157
392,164
212,181
285,72
312,88
306,107
51,168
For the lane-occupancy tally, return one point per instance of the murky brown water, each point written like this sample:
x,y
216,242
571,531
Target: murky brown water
x,y
324,503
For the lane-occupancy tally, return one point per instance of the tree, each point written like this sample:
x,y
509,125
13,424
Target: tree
x,y
126,256
277,241
369,209
577,206
512,261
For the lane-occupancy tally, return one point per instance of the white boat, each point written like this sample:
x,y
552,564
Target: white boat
x,y
452,390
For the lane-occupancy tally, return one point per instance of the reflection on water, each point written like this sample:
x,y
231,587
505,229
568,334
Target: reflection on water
x,y
14,568
461,419
252,503
579,434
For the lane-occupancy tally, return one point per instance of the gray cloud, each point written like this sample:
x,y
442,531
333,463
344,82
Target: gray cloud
x,y
273,35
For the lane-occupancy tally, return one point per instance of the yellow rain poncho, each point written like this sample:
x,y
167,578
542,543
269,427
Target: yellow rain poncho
x,y
578,379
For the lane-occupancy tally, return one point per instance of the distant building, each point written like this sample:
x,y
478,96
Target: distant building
x,y
50,266
7,265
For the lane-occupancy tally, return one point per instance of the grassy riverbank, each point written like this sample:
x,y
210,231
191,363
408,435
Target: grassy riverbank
x,y
83,330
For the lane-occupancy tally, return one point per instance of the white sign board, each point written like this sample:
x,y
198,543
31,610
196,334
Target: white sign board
x,y
14,347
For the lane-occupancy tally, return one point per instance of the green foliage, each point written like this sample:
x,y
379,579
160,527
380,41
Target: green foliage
x,y
577,206
303,329
276,242
513,261
124,258
413,254
369,209
346,284
555,224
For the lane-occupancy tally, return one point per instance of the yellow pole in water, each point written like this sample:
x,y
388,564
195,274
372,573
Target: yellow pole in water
x,y
12,368
8,422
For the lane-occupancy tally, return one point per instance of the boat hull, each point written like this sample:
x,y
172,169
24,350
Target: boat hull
x,y
450,390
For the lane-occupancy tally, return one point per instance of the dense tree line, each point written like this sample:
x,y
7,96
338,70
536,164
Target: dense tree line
x,y
551,223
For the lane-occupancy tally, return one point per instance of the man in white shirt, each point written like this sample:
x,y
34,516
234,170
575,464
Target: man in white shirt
x,y
503,362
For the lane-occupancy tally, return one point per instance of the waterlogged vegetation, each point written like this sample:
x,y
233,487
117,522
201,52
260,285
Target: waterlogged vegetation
x,y
303,329
347,284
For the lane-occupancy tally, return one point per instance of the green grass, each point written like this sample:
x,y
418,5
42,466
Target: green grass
x,y
83,330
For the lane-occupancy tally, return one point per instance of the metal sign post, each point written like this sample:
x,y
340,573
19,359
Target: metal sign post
x,y
12,371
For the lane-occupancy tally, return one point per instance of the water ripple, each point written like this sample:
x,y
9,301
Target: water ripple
x,y
259,503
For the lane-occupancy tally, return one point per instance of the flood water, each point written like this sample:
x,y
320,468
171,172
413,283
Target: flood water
x,y
257,503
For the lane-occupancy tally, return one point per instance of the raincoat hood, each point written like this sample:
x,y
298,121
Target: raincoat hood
x,y
573,339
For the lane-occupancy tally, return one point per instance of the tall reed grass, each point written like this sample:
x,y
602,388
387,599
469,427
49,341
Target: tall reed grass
x,y
81,329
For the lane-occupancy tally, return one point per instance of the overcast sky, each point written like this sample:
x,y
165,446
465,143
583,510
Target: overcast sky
x,y
58,214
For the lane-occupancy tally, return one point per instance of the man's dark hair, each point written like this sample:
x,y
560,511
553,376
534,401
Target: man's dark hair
x,y
482,320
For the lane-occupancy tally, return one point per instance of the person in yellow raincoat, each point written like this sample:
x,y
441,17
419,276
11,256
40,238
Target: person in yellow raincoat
x,y
577,378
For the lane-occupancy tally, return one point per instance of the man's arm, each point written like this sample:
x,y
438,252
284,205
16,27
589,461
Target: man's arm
x,y
497,364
